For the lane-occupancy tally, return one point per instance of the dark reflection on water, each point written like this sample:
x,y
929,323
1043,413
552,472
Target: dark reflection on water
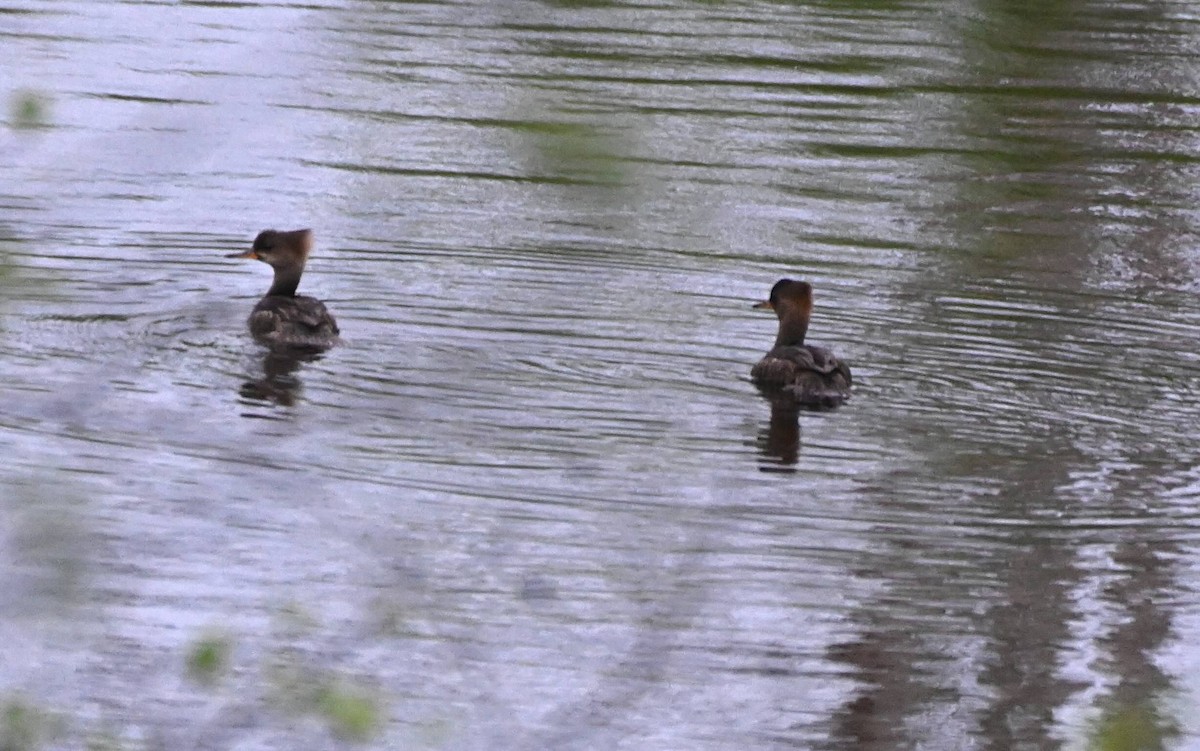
x,y
882,660
534,501
280,382
780,441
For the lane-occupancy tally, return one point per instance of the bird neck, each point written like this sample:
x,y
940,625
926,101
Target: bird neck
x,y
793,324
792,330
287,279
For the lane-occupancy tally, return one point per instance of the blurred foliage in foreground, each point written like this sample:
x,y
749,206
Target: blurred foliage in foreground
x,y
28,110
24,727
351,711
208,659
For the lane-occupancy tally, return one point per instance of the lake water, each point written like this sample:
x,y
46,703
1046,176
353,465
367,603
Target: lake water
x,y
533,501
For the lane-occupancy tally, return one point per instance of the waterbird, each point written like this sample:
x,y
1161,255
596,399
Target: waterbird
x,y
284,320
795,372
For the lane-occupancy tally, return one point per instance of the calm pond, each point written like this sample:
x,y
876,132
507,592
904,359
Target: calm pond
x,y
533,500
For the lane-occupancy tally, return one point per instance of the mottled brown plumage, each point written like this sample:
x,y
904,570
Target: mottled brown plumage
x,y
283,319
794,371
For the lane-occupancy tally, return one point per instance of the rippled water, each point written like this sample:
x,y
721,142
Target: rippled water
x,y
534,501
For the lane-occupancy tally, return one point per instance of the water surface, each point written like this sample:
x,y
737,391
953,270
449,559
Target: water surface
x,y
534,501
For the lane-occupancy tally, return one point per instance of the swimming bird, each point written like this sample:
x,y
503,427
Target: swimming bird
x,y
284,320
793,371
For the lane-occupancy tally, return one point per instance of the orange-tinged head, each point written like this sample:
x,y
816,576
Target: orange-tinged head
x,y
792,302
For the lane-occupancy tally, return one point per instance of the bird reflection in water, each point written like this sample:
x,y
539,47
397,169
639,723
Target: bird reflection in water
x,y
280,383
779,442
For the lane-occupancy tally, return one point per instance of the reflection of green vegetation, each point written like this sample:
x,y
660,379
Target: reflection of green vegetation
x,y
1136,728
571,152
29,110
24,727
208,659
